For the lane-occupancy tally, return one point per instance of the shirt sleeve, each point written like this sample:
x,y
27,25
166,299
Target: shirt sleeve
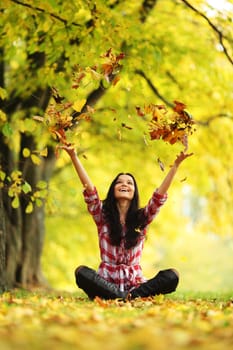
x,y
94,205
153,207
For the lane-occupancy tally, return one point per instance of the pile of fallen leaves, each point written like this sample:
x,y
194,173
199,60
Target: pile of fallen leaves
x,y
39,320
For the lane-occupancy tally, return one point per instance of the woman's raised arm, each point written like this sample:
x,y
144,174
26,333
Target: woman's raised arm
x,y
163,188
82,174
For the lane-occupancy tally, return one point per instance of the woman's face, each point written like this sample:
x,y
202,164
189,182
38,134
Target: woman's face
x,y
124,187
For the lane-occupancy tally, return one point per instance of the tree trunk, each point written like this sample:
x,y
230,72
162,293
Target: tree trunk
x,y
2,247
33,225
21,234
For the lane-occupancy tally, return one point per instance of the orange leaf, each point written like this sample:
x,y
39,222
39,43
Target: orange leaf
x,y
139,111
107,68
179,106
115,80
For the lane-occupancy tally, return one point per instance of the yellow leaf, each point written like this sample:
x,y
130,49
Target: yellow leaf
x,y
2,175
29,208
41,184
35,159
26,152
38,118
44,152
3,117
15,202
78,105
3,93
39,202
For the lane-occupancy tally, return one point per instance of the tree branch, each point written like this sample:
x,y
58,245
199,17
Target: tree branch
x,y
64,21
146,8
153,88
212,118
214,27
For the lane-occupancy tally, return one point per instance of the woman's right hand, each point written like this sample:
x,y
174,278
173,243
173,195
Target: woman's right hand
x,y
70,150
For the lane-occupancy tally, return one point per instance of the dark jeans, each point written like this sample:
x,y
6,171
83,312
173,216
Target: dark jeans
x,y
94,285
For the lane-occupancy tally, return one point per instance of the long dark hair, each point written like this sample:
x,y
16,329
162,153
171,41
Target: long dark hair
x,y
135,219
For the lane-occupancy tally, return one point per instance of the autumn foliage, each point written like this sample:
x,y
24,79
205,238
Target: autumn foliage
x,y
62,115
171,127
70,321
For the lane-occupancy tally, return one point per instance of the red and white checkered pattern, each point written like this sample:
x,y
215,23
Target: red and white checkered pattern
x,y
119,265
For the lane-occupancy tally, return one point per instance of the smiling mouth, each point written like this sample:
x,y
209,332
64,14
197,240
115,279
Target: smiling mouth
x,y
123,190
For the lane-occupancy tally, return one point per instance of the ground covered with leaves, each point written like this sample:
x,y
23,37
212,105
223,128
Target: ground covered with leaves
x,y
42,320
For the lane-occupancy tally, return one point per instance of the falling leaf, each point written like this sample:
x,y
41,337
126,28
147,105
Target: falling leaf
x,y
112,66
126,126
115,80
170,127
38,118
140,112
61,115
184,179
78,105
179,106
161,165
145,139
56,95
119,134
77,79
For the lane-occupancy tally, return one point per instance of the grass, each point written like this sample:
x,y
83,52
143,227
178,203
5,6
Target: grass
x,y
53,319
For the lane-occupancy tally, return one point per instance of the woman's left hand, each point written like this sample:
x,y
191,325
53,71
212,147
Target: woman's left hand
x,y
181,157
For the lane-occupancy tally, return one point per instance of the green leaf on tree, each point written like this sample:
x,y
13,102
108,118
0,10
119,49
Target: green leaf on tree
x,y
3,93
41,184
39,202
2,175
35,159
26,187
15,202
26,152
29,208
44,152
7,130
2,116
78,105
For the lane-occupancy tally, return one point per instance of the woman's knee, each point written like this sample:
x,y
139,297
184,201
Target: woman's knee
x,y
83,274
78,269
176,274
172,278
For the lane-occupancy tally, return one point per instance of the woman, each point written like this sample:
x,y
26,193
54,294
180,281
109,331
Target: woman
x,y
121,227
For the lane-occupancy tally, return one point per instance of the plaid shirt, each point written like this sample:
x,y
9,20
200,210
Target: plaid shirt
x,y
118,264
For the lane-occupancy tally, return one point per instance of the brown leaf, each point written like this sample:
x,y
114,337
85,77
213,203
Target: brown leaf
x,y
161,164
126,126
